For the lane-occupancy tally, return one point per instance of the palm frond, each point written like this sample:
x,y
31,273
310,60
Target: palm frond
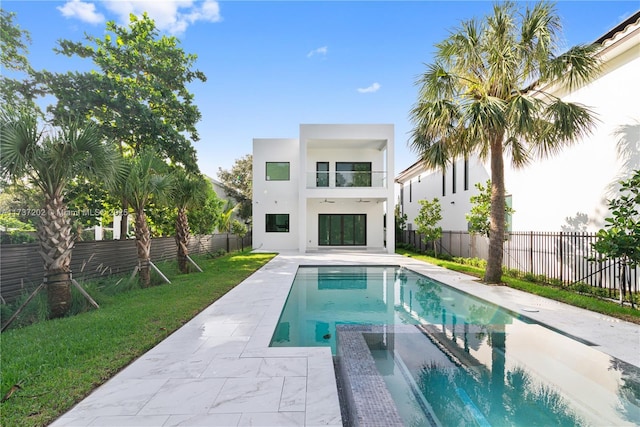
x,y
565,123
19,138
576,67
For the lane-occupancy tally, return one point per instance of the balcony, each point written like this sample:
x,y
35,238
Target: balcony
x,y
345,179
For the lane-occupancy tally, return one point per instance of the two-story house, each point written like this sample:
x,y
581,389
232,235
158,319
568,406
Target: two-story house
x,y
331,188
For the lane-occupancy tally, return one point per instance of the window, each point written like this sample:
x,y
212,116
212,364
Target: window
x,y
322,174
453,177
277,223
342,229
444,183
508,202
410,192
466,174
353,174
277,171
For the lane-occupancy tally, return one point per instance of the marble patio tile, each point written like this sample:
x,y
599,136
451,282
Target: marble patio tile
x,y
217,329
294,393
167,365
213,420
71,421
245,329
184,396
322,404
118,397
232,367
130,421
273,419
283,367
249,395
229,346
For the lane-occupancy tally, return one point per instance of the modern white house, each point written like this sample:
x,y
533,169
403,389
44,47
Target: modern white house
x,y
330,188
569,191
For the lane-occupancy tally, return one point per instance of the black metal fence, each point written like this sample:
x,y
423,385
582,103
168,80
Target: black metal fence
x,y
565,256
21,267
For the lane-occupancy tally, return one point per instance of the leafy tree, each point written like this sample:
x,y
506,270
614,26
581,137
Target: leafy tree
x,y
14,48
239,228
429,215
478,218
620,239
49,160
478,98
238,183
142,178
137,92
205,219
188,192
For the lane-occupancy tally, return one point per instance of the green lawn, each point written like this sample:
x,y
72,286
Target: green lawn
x,y
592,303
52,365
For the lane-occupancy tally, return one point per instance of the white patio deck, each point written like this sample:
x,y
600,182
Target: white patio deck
x,y
218,369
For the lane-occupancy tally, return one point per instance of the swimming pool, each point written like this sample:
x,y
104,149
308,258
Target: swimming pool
x,y
449,358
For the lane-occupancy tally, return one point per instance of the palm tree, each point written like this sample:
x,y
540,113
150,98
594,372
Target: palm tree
x,y
188,191
141,178
486,94
49,160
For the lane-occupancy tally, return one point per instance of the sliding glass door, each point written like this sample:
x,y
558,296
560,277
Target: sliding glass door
x,y
342,229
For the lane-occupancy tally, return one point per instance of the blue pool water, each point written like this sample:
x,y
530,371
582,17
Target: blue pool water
x,y
456,359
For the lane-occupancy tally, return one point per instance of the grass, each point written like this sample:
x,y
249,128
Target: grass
x,y
52,365
557,293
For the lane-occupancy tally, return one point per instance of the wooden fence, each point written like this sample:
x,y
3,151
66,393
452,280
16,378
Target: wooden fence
x,y
566,256
22,270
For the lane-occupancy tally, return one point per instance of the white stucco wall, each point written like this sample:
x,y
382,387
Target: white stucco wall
x,y
275,197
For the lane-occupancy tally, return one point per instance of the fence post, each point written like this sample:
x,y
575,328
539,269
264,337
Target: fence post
x,y
531,252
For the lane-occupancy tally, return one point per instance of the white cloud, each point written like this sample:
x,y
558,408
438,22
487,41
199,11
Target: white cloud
x,y
173,16
85,12
319,51
373,88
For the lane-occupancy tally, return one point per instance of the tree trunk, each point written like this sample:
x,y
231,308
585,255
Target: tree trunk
x,y
493,274
143,246
56,244
182,239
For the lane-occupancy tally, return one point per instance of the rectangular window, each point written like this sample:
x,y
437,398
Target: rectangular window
x,y
342,229
353,174
277,171
508,221
277,223
410,192
453,177
444,183
322,174
466,174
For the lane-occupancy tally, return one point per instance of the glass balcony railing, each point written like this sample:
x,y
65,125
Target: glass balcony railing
x,y
343,179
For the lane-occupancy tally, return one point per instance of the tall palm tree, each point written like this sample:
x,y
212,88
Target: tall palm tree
x,y
188,191
142,177
487,93
49,160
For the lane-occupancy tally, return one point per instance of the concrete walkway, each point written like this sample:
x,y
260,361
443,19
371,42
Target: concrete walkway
x,y
218,369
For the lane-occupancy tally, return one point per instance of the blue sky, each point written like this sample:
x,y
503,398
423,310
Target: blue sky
x,y
274,65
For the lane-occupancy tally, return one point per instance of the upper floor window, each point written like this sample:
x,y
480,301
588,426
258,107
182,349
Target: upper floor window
x,y
466,174
322,174
453,177
277,171
353,174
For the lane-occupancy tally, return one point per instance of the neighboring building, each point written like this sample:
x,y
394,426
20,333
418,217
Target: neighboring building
x,y
330,189
568,191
